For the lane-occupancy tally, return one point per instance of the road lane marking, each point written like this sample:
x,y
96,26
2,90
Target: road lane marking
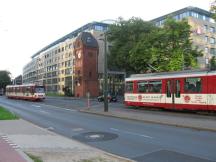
x,y
44,112
59,108
36,106
77,129
114,129
131,133
70,110
50,128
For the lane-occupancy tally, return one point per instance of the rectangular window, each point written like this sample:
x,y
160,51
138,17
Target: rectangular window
x,y
206,39
193,85
70,45
200,16
212,40
98,27
168,89
206,50
155,86
205,28
194,14
143,86
212,29
177,93
129,87
212,51
204,17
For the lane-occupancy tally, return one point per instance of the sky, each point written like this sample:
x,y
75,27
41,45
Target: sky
x,y
26,26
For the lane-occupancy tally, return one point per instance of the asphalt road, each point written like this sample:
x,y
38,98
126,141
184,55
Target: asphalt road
x,y
136,140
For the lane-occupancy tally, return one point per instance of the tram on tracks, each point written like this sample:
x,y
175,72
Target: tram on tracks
x,y
184,90
28,92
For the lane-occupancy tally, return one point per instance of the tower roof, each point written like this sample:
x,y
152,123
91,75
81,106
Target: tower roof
x,y
87,39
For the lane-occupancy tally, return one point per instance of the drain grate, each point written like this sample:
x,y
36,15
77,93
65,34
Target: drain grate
x,y
169,156
95,136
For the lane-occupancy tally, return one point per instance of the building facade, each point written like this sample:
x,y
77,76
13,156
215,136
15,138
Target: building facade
x,y
203,29
54,65
17,80
86,62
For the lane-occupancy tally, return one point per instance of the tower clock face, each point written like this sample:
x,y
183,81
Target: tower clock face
x,y
79,55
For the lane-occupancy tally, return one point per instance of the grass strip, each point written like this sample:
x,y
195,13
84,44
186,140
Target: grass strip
x,y
97,159
35,158
7,115
54,94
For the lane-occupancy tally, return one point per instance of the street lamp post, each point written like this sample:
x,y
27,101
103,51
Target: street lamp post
x,y
105,74
105,89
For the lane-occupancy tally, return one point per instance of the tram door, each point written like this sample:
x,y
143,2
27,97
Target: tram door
x,y
173,93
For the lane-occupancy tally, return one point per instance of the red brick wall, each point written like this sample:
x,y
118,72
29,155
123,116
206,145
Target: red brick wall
x,y
87,65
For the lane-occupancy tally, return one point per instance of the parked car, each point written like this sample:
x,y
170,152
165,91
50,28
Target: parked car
x,y
111,98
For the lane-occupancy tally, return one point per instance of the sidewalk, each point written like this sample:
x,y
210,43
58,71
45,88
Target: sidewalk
x,y
198,122
49,146
10,152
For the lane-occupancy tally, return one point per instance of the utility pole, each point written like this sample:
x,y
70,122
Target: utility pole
x,y
105,74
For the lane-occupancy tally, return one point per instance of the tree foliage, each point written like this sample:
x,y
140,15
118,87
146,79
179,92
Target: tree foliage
x,y
139,46
124,36
213,10
5,79
213,63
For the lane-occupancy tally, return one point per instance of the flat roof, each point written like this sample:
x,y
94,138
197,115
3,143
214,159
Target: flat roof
x,y
189,8
71,35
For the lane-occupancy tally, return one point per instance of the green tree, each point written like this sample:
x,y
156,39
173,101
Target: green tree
x,y
168,48
138,46
213,10
124,35
213,63
5,79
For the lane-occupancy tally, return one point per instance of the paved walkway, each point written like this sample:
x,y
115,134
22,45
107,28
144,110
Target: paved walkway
x,y
50,146
9,152
200,122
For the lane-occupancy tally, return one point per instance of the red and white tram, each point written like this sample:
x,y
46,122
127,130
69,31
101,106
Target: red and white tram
x,y
191,90
29,92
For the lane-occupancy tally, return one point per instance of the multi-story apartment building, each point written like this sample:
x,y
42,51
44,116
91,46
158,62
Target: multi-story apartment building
x,y
53,66
203,27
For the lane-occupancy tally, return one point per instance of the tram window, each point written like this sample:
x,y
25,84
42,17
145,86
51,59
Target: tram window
x,y
177,94
193,85
143,86
23,89
39,89
168,89
28,89
155,86
16,89
129,87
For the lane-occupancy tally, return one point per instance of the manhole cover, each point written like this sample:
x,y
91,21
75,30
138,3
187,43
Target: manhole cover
x,y
95,136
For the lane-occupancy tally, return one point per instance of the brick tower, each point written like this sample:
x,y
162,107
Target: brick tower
x,y
86,62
